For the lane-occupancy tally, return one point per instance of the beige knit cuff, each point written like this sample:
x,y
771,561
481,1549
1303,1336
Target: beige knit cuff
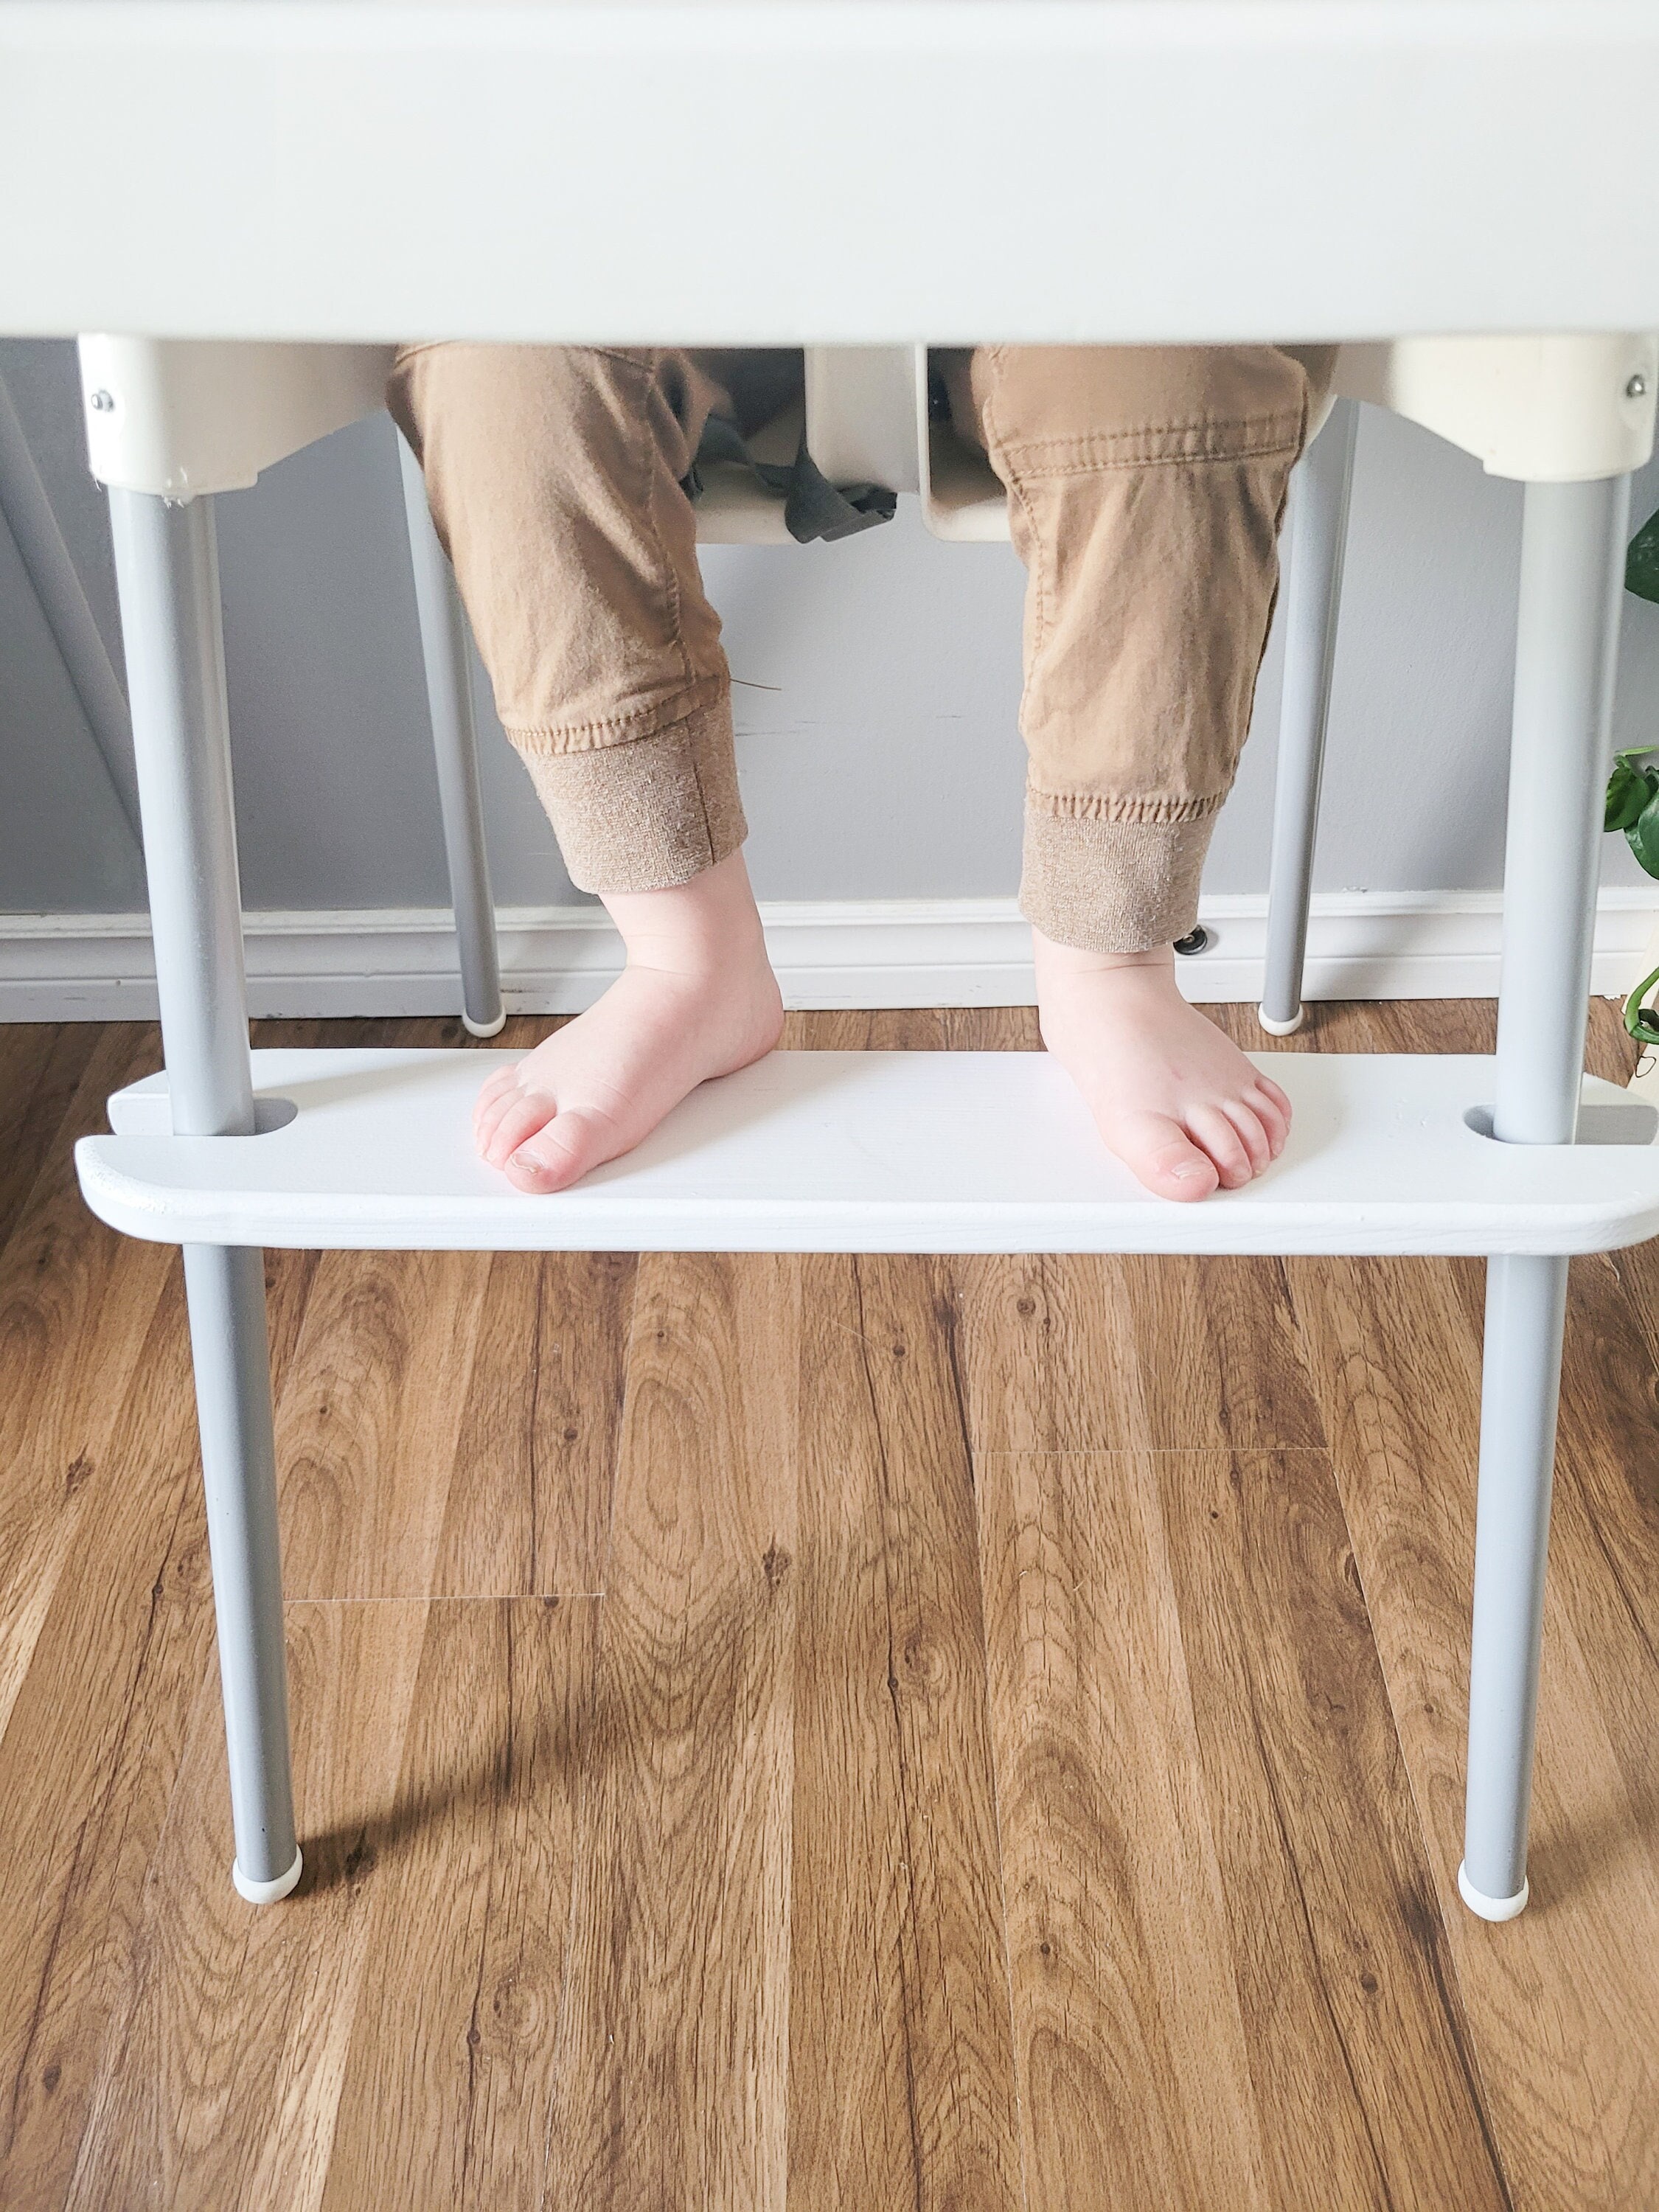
x,y
647,813
1111,886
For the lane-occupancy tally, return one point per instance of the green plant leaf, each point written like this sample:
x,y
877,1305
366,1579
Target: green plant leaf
x,y
1640,1023
1642,837
1629,790
1642,561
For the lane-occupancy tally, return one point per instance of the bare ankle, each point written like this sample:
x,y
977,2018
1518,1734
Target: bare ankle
x,y
1054,958
691,928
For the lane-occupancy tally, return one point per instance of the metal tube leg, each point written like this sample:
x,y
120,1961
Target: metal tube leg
x,y
455,744
226,1291
1526,1306
1571,568
167,567
1313,594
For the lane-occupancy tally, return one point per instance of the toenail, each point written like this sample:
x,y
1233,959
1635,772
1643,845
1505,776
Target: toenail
x,y
1183,1174
528,1157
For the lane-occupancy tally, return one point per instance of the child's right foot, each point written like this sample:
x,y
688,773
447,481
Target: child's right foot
x,y
697,998
1172,1096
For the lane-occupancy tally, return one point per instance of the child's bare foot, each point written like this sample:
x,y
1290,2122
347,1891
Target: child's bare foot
x,y
1175,1099
697,998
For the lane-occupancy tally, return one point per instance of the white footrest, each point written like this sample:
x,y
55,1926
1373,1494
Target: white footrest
x,y
829,1151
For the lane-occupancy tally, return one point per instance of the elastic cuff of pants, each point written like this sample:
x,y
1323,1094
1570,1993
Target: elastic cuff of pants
x,y
648,813
1112,886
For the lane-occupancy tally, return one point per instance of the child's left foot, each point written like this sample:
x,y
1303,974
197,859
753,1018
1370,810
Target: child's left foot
x,y
1175,1099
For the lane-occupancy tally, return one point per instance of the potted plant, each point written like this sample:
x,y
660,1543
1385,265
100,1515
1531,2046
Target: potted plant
x,y
1632,803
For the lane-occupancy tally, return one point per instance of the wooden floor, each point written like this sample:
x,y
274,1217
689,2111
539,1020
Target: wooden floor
x,y
817,1733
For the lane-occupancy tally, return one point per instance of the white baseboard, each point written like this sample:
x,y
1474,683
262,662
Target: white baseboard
x,y
846,952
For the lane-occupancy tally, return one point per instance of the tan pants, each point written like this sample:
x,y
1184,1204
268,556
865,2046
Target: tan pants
x,y
1146,487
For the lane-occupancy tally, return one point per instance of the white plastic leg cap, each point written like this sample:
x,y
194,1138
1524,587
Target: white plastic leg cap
x,y
484,1029
1282,1029
1491,1908
267,1892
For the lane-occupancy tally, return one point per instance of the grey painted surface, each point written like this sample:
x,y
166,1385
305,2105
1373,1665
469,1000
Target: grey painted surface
x,y
879,681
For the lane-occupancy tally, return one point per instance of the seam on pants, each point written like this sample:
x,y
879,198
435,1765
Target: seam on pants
x,y
653,460
553,739
1120,806
994,449
1103,452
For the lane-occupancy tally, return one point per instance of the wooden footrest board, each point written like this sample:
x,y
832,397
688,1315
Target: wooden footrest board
x,y
828,1151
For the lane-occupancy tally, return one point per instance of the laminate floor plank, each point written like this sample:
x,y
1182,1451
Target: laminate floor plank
x,y
75,1308
1130,2047
1357,2045
369,1419
42,1065
887,1028
448,2076
901,2076
1559,2003
992,1028
1083,1353
853,2129
528,1510
87,1761
222,2070
672,2052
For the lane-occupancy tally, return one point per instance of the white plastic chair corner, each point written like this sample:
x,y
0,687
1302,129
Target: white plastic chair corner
x,y
183,418
1538,410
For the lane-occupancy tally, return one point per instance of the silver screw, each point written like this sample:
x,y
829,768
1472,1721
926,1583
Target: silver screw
x,y
1637,388
103,402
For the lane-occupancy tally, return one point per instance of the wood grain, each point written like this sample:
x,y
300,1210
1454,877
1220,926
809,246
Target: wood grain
x,y
42,1068
528,1507
900,2080
1359,2049
232,2013
448,2076
368,1418
673,2044
853,2133
1088,1354
1132,2070
950,1611
89,1757
63,1280
1557,2000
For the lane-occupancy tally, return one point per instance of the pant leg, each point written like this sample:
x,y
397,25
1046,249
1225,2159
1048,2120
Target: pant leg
x,y
1146,488
554,474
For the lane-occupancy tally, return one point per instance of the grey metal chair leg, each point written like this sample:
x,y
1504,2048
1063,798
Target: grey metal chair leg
x,y
455,742
167,567
1573,563
1313,594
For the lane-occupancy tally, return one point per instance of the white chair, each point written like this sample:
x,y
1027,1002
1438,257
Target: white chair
x,y
227,1152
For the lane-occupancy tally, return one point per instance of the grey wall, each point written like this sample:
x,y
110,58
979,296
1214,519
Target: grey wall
x,y
879,681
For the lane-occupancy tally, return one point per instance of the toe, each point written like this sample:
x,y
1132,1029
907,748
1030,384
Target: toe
x,y
563,1150
523,1115
1165,1158
1265,1083
485,1122
1272,1111
1211,1130
492,1102
1252,1134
